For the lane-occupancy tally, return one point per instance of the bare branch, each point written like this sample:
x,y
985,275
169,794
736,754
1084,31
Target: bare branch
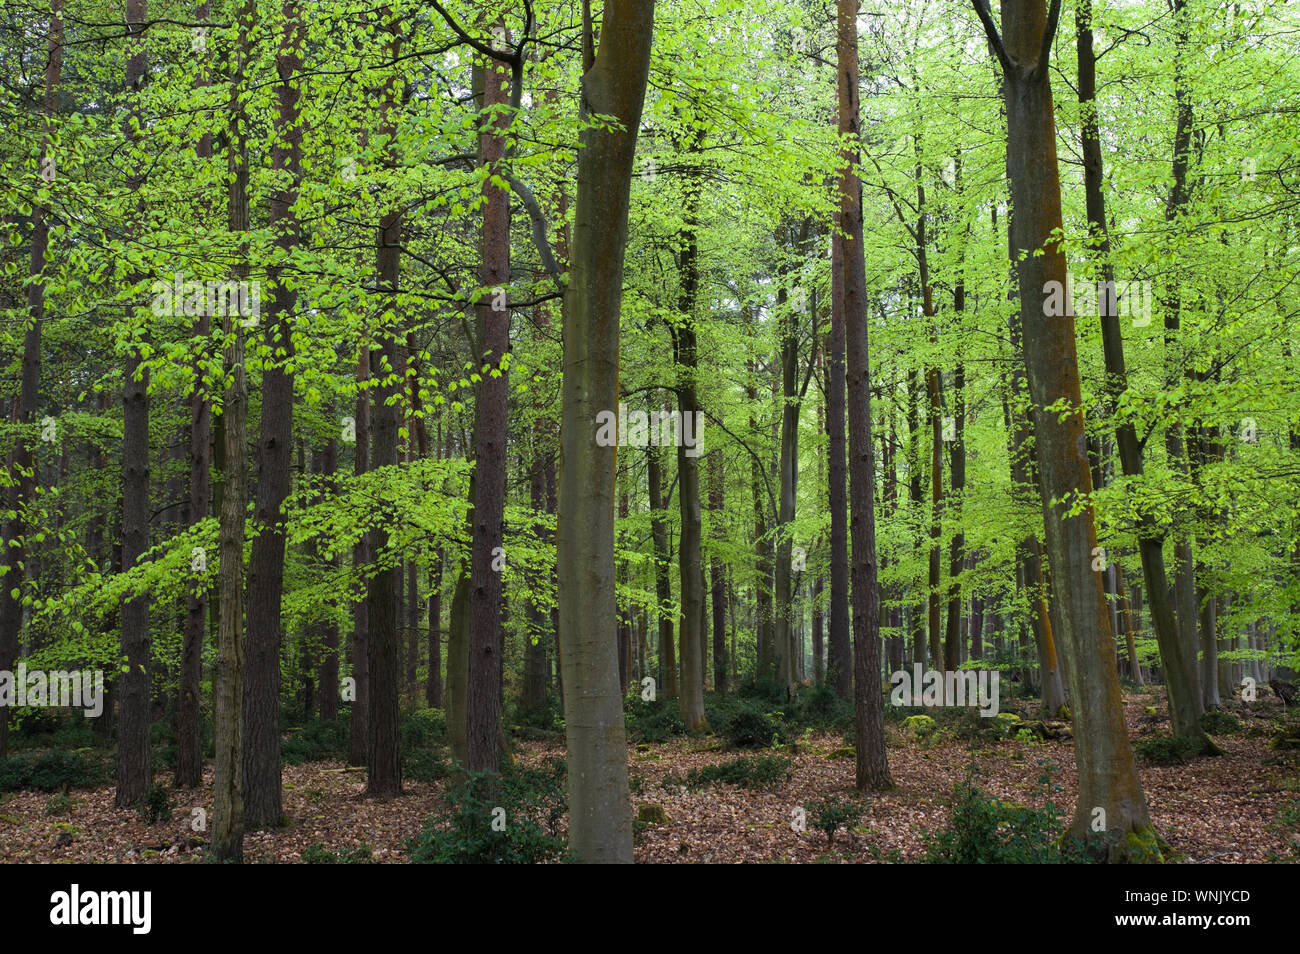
x,y
991,31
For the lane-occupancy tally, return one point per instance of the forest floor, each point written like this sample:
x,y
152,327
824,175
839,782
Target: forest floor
x,y
1243,807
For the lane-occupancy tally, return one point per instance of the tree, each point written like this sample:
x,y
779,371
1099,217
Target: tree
x,y
872,760
613,84
1107,774
134,770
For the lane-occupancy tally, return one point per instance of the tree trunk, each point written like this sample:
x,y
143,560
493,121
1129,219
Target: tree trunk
x,y
613,84
1175,650
228,674
486,644
329,663
22,461
690,566
134,771
1106,770
359,741
717,574
872,760
839,654
383,762
263,806
663,584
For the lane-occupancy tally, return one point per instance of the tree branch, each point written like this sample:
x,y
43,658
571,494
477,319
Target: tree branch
x,y
1049,34
539,227
991,31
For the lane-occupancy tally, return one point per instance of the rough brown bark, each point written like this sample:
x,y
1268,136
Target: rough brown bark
x,y
490,434
263,804
134,771
22,460
872,760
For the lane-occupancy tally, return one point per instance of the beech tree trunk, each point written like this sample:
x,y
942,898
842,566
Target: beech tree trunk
x,y
228,675
1175,651
383,762
613,84
359,737
717,574
691,698
1107,773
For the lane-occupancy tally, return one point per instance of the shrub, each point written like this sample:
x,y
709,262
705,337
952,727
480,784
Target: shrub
x,y
49,772
316,741
830,813
422,734
748,728
157,804
422,727
1219,722
318,854
769,691
921,726
987,831
656,721
493,821
748,771
539,721
821,708
1167,750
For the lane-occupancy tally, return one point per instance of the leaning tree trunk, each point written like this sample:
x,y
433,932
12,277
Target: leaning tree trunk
x,y
1175,651
1107,772
613,84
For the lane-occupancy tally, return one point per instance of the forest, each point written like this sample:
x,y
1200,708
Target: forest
x,y
612,431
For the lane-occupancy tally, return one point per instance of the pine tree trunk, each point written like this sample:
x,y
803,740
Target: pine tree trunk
x,y
134,771
486,644
872,760
22,460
